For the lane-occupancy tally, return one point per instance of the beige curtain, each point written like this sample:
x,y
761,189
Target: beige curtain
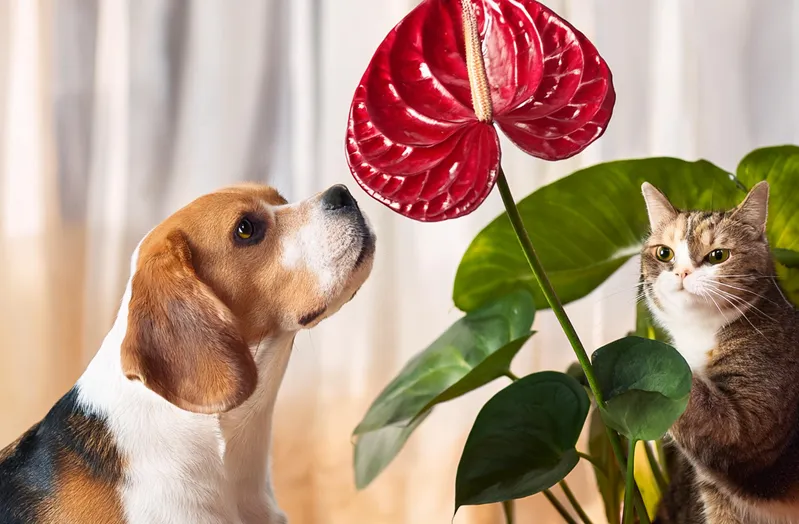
x,y
115,112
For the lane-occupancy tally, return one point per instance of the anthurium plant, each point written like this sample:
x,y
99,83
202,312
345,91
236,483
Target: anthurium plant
x,y
422,138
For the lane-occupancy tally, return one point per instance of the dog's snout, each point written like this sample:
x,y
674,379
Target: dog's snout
x,y
338,197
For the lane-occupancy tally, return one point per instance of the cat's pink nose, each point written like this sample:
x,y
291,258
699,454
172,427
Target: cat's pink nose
x,y
684,272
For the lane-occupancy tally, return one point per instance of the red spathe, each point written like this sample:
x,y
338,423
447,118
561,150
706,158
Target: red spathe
x,y
413,140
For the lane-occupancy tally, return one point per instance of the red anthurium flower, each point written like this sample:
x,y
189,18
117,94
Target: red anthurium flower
x,y
421,137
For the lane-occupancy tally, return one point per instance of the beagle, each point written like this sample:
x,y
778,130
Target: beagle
x,y
171,421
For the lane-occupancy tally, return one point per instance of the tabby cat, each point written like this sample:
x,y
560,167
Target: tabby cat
x,y
709,281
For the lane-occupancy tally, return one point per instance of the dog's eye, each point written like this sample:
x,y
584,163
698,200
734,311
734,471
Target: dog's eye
x,y
245,229
249,231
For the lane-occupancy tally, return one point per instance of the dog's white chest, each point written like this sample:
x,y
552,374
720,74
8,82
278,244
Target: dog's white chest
x,y
199,495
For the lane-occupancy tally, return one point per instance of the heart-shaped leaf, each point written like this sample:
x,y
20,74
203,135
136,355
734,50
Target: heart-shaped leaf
x,y
523,440
377,448
646,384
780,167
414,140
475,350
495,365
584,227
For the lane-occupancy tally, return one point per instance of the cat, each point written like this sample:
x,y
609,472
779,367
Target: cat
x,y
709,281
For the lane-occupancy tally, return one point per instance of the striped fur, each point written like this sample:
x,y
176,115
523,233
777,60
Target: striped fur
x,y
737,444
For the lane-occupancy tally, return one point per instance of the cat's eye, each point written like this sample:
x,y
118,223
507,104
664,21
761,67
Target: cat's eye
x,y
664,253
249,230
717,256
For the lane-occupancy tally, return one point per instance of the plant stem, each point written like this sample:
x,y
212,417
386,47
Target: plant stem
x,y
615,443
557,308
592,460
546,285
511,375
662,459
559,507
656,471
507,507
628,485
596,465
573,501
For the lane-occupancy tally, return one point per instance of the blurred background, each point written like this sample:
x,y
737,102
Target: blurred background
x,y
113,113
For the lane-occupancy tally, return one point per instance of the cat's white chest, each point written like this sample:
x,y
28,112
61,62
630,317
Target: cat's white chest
x,y
694,342
693,334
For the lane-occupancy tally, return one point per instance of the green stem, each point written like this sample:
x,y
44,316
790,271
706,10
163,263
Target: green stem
x,y
511,375
592,460
573,501
557,308
615,443
559,507
507,507
656,471
546,286
662,459
628,485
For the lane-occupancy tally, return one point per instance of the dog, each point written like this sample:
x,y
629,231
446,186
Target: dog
x,y
171,421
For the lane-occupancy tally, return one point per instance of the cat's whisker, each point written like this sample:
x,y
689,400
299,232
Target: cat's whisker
x,y
779,289
748,304
730,302
745,276
746,291
617,292
639,295
708,295
760,277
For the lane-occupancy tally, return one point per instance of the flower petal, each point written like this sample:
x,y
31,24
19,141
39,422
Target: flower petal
x,y
426,184
511,52
574,101
413,140
406,101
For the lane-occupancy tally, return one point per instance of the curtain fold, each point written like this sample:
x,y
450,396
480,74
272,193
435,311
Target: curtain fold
x,y
114,113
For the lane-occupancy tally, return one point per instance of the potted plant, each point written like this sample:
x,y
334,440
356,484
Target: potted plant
x,y
422,139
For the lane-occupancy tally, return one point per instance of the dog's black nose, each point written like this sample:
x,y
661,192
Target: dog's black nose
x,y
338,197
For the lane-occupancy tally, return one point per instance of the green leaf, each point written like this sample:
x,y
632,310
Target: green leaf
x,y
786,257
645,326
575,371
584,227
377,448
494,366
646,384
475,350
645,480
609,480
523,439
780,167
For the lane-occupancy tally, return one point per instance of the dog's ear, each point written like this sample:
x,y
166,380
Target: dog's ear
x,y
182,342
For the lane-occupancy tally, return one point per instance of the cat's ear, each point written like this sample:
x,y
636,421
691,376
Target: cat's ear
x,y
657,205
754,209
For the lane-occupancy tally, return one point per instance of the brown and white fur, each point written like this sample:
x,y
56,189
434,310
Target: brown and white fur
x,y
736,459
171,421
